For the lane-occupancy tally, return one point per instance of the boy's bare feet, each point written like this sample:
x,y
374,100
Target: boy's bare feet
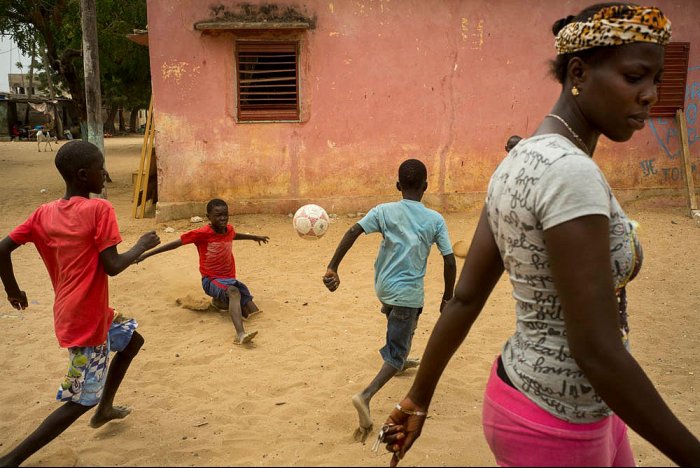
x,y
102,417
251,314
365,427
409,363
250,309
245,337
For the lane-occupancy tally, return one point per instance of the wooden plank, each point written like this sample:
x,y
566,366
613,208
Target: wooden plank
x,y
139,175
686,169
147,169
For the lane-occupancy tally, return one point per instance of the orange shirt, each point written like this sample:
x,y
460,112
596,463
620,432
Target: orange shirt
x,y
215,251
69,235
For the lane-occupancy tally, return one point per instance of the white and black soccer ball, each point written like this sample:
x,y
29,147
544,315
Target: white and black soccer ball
x,y
311,222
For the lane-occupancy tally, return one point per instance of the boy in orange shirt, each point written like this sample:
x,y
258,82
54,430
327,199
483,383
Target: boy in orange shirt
x,y
218,267
77,238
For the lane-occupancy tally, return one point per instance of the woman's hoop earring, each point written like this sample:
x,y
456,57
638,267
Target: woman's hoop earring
x,y
575,91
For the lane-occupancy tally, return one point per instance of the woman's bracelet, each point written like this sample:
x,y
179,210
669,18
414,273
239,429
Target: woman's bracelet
x,y
410,412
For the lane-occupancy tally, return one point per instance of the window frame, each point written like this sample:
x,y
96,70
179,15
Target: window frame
x,y
671,90
251,114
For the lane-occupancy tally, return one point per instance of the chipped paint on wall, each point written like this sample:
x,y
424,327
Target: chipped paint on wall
x,y
473,32
176,70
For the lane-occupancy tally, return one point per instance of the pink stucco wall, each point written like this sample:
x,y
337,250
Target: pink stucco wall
x,y
381,80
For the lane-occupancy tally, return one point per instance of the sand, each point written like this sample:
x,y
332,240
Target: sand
x,y
198,399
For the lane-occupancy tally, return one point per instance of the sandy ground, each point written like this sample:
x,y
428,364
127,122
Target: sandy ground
x,y
198,399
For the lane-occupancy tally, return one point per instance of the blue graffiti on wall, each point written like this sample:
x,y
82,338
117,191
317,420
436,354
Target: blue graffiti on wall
x,y
666,133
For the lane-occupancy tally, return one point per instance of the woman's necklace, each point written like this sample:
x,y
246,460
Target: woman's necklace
x,y
578,138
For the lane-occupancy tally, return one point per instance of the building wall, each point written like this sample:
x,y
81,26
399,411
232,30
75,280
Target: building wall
x,y
443,81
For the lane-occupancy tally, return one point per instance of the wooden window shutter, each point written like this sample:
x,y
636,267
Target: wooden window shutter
x,y
671,91
268,80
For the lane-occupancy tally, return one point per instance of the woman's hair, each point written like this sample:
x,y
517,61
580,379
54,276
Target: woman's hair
x,y
558,66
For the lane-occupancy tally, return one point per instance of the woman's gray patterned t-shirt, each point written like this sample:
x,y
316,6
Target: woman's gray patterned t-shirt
x,y
545,181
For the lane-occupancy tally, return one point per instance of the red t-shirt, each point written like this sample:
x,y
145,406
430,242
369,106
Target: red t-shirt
x,y
69,235
215,251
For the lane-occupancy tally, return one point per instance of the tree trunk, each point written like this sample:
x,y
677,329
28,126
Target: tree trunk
x,y
109,124
120,114
133,119
52,93
32,65
91,67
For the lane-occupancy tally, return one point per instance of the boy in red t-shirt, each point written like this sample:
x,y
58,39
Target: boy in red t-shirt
x,y
77,239
218,268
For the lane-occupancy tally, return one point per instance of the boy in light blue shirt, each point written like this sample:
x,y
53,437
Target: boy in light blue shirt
x,y
409,230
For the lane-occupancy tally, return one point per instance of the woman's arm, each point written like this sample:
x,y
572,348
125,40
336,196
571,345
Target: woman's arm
x,y
579,254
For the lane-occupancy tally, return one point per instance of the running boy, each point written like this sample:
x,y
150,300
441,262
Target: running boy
x,y
218,268
408,229
77,239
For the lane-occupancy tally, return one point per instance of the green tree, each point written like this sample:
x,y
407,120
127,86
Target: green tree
x,y
54,25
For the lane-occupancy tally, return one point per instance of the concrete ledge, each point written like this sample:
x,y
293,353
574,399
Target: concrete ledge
x,y
167,211
445,203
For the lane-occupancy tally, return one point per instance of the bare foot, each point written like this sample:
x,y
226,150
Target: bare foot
x,y
245,337
361,434
103,417
250,309
252,314
362,407
409,363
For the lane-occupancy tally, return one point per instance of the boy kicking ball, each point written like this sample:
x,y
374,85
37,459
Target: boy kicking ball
x,y
218,267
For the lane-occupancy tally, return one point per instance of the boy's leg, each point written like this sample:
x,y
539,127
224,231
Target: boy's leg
x,y
361,400
106,411
234,309
401,325
249,309
52,427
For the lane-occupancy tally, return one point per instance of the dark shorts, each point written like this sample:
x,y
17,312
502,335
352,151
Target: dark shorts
x,y
401,324
217,287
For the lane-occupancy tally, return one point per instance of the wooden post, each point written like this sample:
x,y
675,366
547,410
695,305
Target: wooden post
x,y
145,149
91,68
686,168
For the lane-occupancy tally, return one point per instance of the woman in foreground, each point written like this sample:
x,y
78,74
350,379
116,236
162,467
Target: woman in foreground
x,y
565,386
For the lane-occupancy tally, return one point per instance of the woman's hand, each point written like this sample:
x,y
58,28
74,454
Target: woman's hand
x,y
402,428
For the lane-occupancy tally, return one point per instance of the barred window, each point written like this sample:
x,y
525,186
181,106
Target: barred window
x,y
671,90
268,80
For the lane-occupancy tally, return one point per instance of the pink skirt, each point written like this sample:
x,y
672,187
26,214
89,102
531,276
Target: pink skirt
x,y
520,433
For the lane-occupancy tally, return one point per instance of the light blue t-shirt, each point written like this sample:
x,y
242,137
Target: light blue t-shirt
x,y
409,230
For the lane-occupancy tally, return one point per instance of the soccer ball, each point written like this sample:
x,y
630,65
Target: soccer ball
x,y
311,222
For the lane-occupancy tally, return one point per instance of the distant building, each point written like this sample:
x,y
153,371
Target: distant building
x,y
19,86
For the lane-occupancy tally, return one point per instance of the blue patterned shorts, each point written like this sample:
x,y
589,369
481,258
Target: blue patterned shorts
x,y
88,365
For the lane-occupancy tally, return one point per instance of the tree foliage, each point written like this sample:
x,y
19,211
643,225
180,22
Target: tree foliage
x,y
55,26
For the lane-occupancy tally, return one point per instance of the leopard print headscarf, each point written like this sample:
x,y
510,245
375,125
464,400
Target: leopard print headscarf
x,y
615,25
